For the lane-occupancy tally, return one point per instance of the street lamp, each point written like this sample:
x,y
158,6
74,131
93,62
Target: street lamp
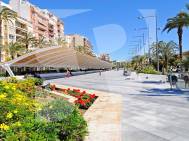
x,y
148,39
138,45
135,46
156,38
143,41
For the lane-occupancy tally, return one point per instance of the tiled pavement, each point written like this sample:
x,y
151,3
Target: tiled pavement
x,y
150,111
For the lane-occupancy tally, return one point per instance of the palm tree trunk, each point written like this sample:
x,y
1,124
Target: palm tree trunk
x,y
27,48
180,31
0,38
166,60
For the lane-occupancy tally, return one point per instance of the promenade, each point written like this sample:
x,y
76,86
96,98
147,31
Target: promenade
x,y
150,111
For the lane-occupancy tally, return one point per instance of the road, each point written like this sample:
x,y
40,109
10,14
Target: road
x,y
150,111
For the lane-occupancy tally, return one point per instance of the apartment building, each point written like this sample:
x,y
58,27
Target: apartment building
x,y
75,40
11,31
45,24
105,57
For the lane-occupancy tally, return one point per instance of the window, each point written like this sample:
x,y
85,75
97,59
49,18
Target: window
x,y
33,14
11,36
33,20
5,36
34,27
5,27
11,29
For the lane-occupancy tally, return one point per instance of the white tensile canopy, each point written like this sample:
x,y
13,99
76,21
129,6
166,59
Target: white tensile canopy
x,y
58,57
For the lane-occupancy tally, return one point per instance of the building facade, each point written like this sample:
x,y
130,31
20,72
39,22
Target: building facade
x,y
105,57
11,31
75,40
45,24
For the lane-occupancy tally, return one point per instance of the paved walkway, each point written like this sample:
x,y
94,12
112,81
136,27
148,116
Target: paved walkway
x,y
150,111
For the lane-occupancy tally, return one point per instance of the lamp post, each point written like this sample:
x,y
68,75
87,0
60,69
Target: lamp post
x,y
156,38
136,47
143,41
138,44
148,39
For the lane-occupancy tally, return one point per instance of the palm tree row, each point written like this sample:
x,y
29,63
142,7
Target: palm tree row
x,y
178,22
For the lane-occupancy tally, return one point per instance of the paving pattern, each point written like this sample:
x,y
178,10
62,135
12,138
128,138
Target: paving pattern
x,y
150,111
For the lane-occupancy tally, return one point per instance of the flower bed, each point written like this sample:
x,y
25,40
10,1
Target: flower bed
x,y
24,115
84,100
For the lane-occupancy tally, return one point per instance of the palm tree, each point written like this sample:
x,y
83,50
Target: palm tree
x,y
7,15
166,49
185,62
40,43
179,21
80,49
60,41
27,40
142,61
14,49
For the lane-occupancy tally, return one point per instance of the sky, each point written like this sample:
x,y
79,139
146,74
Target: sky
x,y
110,24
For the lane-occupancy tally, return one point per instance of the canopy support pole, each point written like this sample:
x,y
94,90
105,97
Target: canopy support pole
x,y
7,67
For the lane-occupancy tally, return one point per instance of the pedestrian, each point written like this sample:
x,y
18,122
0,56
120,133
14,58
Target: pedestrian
x,y
68,73
100,73
38,75
35,75
29,75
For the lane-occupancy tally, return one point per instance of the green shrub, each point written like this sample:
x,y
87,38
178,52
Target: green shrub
x,y
2,74
31,129
72,124
39,81
148,70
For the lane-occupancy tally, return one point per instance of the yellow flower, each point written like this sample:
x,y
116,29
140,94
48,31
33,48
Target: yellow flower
x,y
14,88
9,115
6,127
6,87
2,96
3,126
39,109
50,107
18,124
15,111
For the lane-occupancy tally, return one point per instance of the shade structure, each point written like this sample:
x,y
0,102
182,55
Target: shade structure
x,y
57,57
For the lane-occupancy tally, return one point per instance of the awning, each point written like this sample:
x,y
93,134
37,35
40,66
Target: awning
x,y
58,57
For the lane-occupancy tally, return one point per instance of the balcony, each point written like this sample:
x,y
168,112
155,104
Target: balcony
x,y
51,33
20,34
21,27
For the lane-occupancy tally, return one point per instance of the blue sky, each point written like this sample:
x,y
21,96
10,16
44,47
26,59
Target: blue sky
x,y
117,13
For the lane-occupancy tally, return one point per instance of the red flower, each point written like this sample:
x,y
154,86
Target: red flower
x,y
67,93
82,94
91,96
72,94
46,91
82,102
76,101
38,85
17,85
86,100
68,88
79,97
23,84
26,90
40,89
27,84
64,89
89,100
31,88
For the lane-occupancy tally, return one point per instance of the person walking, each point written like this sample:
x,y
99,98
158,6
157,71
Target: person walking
x,y
100,73
68,73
